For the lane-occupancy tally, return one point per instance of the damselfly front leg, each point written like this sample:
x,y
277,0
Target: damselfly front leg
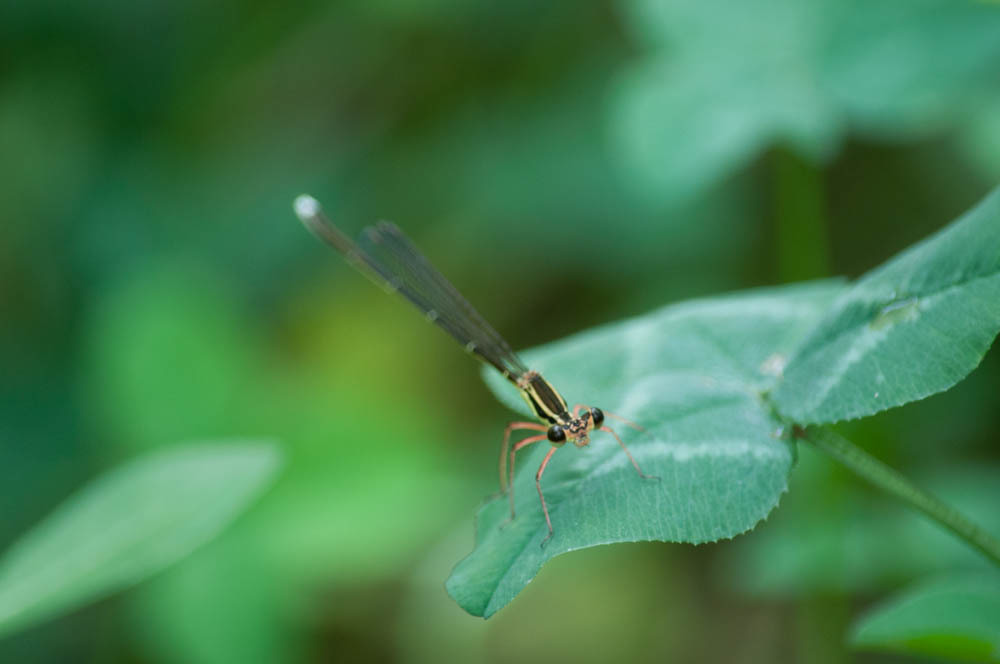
x,y
630,457
598,417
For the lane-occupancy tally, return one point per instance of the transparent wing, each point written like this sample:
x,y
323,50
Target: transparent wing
x,y
385,255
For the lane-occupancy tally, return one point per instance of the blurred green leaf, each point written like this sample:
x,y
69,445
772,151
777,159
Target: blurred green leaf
x,y
722,82
905,69
342,515
171,314
128,524
957,618
696,110
343,512
693,375
227,602
980,140
830,538
911,328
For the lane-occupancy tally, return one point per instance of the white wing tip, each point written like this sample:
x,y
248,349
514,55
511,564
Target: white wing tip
x,y
306,207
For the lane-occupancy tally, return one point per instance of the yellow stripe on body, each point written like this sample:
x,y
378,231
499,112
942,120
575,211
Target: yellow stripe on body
x,y
546,402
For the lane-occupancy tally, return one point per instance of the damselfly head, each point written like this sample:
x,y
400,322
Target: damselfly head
x,y
577,429
574,430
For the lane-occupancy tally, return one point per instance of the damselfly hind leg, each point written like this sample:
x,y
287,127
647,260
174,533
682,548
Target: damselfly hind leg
x,y
512,427
510,477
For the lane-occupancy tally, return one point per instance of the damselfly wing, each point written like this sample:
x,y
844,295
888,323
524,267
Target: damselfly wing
x,y
385,255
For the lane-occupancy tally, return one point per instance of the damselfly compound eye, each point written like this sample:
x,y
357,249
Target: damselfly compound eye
x,y
556,434
598,416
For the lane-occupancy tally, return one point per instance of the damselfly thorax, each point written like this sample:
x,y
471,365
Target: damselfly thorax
x,y
549,406
387,257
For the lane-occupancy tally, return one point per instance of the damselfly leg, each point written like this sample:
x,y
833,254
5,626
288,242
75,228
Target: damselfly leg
x,y
576,410
541,496
510,480
512,427
629,455
592,418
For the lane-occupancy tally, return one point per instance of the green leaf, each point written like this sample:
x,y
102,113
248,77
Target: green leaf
x,y
884,65
128,524
715,94
692,375
956,618
911,328
828,538
722,81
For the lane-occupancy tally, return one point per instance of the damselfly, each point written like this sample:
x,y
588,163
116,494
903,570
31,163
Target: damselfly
x,y
387,257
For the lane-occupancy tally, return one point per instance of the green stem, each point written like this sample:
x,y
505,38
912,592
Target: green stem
x,y
800,221
893,483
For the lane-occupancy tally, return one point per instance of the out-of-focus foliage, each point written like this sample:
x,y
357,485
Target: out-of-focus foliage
x,y
955,618
827,538
722,82
350,469
129,524
155,286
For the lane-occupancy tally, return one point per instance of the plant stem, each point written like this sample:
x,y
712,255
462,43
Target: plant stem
x,y
800,222
894,483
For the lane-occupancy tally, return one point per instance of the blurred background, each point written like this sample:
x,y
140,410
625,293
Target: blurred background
x,y
156,289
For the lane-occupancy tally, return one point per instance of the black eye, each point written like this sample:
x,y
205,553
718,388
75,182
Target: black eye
x,y
556,434
598,416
